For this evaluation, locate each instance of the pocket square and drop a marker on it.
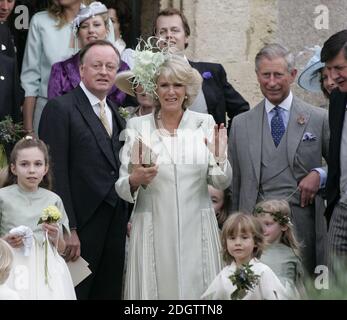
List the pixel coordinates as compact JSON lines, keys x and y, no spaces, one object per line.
{"x":308,"y":136}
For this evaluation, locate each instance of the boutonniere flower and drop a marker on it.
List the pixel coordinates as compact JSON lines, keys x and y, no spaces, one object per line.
{"x":244,"y":279}
{"x":207,"y":75}
{"x":301,"y":120}
{"x":124,"y":113}
{"x":49,"y":215}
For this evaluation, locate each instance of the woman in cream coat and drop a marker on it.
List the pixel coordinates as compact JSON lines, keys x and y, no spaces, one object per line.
{"x":174,"y":250}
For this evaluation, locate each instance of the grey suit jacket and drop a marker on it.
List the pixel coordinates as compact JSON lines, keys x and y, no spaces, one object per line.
{"x":245,"y":148}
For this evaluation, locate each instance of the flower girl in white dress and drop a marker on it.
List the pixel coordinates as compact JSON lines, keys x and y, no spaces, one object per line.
{"x":31,"y":221}
{"x":282,"y":254}
{"x":245,"y":278}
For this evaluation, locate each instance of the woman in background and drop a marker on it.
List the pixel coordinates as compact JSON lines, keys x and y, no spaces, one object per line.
{"x":90,"y":24}
{"x":315,"y":77}
{"x":50,"y":39}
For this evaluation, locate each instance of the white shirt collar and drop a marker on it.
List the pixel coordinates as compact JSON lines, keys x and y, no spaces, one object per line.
{"x":91,"y":97}
{"x":285,"y":104}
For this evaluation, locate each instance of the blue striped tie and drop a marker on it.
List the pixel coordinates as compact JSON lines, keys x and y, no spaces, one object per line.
{"x":277,"y":126}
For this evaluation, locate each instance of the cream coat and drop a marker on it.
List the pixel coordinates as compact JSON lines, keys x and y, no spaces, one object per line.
{"x":174,"y":250}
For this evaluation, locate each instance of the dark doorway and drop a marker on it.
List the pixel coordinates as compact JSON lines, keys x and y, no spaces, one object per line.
{"x":136,"y":18}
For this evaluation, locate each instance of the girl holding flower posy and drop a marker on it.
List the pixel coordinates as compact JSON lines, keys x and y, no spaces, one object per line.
{"x":31,"y":221}
{"x":245,"y":278}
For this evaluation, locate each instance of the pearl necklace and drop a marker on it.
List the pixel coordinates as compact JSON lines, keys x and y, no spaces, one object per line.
{"x":162,"y":126}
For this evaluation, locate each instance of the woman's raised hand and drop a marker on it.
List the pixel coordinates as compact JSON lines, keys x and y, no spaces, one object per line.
{"x":219,"y":143}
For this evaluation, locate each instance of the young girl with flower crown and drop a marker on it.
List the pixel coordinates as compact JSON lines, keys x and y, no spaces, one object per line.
{"x":31,"y":221}
{"x":245,"y":277}
{"x":282,"y":254}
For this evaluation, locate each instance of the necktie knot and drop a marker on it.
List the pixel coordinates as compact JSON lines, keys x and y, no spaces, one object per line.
{"x":277,"y":126}
{"x":277,"y":110}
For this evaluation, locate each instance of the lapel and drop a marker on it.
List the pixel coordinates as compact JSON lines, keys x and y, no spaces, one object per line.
{"x":337,"y":114}
{"x":254,"y":130}
{"x":119,"y":120}
{"x":95,"y":126}
{"x":296,"y":128}
{"x":119,"y":125}
{"x":208,"y":94}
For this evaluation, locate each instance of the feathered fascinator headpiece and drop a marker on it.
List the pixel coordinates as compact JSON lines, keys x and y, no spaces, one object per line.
{"x":148,"y":57}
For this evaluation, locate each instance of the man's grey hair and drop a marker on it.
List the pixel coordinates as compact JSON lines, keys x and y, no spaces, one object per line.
{"x":273,"y":51}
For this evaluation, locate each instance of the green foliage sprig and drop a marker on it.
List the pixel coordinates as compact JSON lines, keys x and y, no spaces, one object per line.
{"x":282,"y":220}
{"x":244,"y":279}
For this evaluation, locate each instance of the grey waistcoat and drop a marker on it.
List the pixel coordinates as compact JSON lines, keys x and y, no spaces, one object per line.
{"x":276,"y":178}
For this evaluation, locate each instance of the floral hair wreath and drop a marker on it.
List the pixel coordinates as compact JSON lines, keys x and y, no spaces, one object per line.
{"x":277,"y":216}
{"x":148,"y":57}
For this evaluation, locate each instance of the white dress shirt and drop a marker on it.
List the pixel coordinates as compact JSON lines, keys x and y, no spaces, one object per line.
{"x":285,"y":109}
{"x":94,"y":101}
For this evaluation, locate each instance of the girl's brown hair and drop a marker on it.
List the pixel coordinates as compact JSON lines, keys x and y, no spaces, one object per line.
{"x":243,"y":223}
{"x":223,"y":214}
{"x":282,"y":208}
{"x":25,"y":143}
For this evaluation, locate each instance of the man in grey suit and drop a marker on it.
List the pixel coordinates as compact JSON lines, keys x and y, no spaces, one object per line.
{"x":276,"y":152}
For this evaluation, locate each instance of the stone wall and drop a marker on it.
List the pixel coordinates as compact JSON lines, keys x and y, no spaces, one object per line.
{"x":231,"y":32}
{"x":305,"y":25}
